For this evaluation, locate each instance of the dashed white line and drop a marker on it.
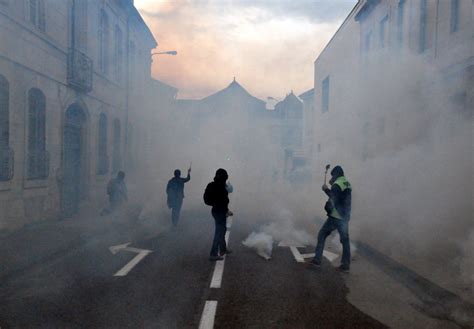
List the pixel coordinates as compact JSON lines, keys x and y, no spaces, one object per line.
{"x":208,"y":315}
{"x":216,"y":281}
{"x":209,"y":312}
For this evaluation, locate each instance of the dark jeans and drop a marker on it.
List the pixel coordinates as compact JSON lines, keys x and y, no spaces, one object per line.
{"x":218,"y":244}
{"x":342,"y":226}
{"x":175,"y":211}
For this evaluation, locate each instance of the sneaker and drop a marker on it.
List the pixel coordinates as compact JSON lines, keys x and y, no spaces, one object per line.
{"x":314,"y":264}
{"x":227,"y":252}
{"x":343,"y":269}
{"x":215,"y":258}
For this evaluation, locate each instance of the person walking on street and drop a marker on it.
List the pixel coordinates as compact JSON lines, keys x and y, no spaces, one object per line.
{"x":118,"y":194}
{"x":175,"y":193}
{"x":338,"y":209}
{"x":217,"y":196}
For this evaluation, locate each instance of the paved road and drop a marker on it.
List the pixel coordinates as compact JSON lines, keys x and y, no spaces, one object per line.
{"x":170,"y":286}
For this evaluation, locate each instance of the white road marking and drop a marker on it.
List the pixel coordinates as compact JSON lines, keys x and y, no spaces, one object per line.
{"x":208,"y":315}
{"x":297,"y":254}
{"x":142,"y":253}
{"x":209,"y":312}
{"x":216,"y":281}
{"x":300,"y":257}
{"x":131,"y":264}
{"x":330,"y":255}
{"x":311,"y":255}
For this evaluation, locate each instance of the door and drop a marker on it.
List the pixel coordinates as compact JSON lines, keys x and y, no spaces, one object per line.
{"x":73,"y":160}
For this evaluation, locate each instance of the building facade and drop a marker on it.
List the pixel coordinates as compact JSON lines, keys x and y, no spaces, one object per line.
{"x":68,"y":73}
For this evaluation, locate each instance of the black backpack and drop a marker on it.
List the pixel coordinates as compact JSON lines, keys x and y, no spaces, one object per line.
{"x":209,"y":194}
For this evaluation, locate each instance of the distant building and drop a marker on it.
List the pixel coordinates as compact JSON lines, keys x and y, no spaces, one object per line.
{"x":231,"y":112}
{"x":289,"y":115}
{"x":71,"y":74}
{"x":308,"y":114}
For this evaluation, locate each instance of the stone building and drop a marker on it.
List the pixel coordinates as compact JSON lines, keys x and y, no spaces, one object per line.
{"x":393,"y":100}
{"x":418,"y":36}
{"x":69,"y":75}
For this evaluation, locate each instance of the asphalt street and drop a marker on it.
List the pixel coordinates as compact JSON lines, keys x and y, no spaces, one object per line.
{"x":169,"y":287}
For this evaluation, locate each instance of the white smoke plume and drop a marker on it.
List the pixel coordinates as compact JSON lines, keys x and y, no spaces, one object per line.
{"x":261,"y":242}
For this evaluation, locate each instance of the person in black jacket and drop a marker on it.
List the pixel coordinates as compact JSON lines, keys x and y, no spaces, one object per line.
{"x":217,"y":195}
{"x":175,"y":193}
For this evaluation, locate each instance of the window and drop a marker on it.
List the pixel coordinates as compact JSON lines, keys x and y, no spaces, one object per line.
{"x":454,"y":15}
{"x":118,"y":56}
{"x":6,"y":154}
{"x":400,"y":21}
{"x":103,"y":164}
{"x":383,"y":32}
{"x":423,"y":26}
{"x":79,"y":24}
{"x":325,"y":95}
{"x":37,"y":14}
{"x":117,"y":154}
{"x":104,"y":42}
{"x":4,"y":113}
{"x":37,"y":167}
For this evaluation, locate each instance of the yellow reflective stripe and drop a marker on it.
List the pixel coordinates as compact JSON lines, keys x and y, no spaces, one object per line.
{"x":343,"y":184}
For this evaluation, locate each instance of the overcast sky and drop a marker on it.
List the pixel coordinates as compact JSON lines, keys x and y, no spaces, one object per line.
{"x":268,"y":45}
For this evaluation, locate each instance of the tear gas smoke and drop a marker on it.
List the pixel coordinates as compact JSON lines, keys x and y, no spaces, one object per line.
{"x":261,"y":242}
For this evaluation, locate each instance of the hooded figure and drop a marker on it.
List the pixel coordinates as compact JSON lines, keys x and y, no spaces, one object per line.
{"x":338,"y":209}
{"x":175,"y":194}
{"x":217,"y":195}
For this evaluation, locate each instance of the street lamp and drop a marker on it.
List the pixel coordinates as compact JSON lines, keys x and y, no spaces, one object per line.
{"x":170,"y":52}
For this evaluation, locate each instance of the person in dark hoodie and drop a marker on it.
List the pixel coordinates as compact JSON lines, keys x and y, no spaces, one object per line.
{"x":217,"y":196}
{"x":175,"y":194}
{"x":338,"y":209}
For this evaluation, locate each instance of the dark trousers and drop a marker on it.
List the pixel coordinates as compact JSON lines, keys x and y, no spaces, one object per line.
{"x":218,"y":244}
{"x":175,"y":211}
{"x":342,"y":226}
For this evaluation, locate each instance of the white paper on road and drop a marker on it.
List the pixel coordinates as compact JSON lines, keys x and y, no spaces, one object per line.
{"x":208,"y":315}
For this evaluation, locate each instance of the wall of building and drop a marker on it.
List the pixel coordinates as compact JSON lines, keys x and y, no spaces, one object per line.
{"x":34,"y":56}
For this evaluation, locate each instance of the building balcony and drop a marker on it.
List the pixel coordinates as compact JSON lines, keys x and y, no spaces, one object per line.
{"x":79,"y":71}
{"x":6,"y":163}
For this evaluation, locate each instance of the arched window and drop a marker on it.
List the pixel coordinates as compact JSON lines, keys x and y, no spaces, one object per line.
{"x":103,"y":166}
{"x":104,"y":42}
{"x":6,"y":154}
{"x":37,"y":14}
{"x":118,"y":56}
{"x":38,"y":160}
{"x":117,"y":160}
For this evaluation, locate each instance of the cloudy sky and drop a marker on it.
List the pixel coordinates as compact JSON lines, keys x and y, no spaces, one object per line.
{"x":268,"y":45}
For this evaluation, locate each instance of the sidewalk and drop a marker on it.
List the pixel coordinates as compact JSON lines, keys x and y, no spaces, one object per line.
{"x":39,"y":242}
